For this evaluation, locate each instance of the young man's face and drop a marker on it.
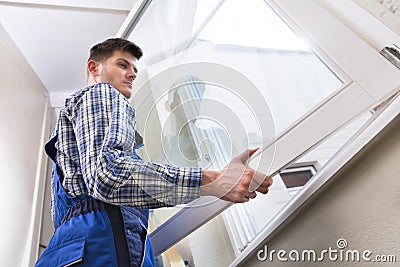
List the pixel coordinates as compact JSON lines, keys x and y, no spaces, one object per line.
{"x":119,"y":70}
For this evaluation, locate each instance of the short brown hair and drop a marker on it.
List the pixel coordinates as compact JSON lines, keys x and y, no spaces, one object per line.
{"x":105,"y":49}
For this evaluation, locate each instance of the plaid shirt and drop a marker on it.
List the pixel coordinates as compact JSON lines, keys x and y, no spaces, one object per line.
{"x":96,"y":137}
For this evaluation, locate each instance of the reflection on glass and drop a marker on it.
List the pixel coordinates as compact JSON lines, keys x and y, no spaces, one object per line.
{"x":204,"y":10}
{"x":193,"y":118}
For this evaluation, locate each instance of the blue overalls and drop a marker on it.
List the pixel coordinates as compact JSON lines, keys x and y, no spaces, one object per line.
{"x":92,"y":233}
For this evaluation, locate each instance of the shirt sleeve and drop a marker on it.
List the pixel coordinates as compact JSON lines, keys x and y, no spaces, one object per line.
{"x":104,"y":125}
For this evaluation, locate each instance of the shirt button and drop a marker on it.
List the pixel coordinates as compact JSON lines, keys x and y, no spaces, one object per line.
{"x":129,"y":232}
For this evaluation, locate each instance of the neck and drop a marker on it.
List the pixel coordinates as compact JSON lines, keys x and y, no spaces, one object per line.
{"x":91,"y":80}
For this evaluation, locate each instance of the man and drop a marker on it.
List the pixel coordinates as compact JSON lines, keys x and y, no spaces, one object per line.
{"x":101,"y":188}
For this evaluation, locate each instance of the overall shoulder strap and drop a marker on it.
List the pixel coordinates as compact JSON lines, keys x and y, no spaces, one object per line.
{"x":50,"y":148}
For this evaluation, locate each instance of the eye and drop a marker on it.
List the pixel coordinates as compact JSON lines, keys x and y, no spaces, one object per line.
{"x":122,"y":65}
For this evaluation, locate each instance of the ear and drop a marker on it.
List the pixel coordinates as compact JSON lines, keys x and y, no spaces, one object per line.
{"x":93,"y":68}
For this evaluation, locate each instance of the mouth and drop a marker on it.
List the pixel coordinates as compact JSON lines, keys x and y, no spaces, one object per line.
{"x":130,"y":84}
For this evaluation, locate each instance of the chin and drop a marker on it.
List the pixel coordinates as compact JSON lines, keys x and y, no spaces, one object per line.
{"x":127,"y":94}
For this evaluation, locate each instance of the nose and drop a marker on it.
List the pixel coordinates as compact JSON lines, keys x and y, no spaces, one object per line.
{"x":132,"y":74}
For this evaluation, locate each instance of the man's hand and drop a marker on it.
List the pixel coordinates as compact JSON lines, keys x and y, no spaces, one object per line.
{"x":236,"y":182}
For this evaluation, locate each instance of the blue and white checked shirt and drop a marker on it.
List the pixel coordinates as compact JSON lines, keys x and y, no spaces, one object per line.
{"x":96,"y":136}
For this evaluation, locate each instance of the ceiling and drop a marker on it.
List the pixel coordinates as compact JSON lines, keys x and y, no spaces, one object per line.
{"x":55,"y":36}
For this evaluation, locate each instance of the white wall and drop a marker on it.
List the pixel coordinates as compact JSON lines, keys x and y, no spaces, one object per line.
{"x":23,"y":105}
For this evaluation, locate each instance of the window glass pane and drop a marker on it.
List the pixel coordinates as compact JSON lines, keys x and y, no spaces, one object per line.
{"x":252,"y":24}
{"x":163,"y":28}
{"x":252,"y":39}
{"x":204,"y":9}
{"x":202,"y":99}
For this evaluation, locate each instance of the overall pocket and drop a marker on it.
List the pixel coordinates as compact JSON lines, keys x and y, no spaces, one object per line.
{"x":65,"y":254}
